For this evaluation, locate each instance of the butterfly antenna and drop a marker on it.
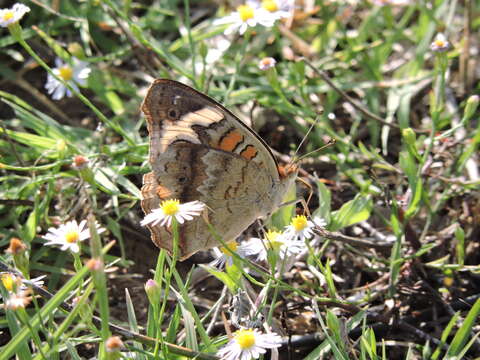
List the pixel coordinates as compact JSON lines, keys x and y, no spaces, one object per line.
{"x":304,"y":138}
{"x":331,"y":142}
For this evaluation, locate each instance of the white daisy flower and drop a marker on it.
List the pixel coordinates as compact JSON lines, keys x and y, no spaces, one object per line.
{"x":249,"y":344}
{"x":277,"y":9}
{"x":247,"y":15}
{"x":17,"y":297}
{"x":71,"y":74}
{"x":284,"y":246}
{"x":266,"y":63}
{"x":18,"y":300}
{"x":170,"y":209}
{"x":225,"y":254}
{"x":69,"y":235}
{"x":13,"y":15}
{"x":299,"y":229}
{"x":440,"y":43}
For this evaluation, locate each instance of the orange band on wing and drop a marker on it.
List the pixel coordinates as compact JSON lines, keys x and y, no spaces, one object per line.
{"x":230,"y":141}
{"x":163,"y":192}
{"x":249,"y":152}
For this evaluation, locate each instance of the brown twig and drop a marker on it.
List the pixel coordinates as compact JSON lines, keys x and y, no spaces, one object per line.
{"x":348,"y":98}
{"x":16,"y":202}
{"x":358,"y":242}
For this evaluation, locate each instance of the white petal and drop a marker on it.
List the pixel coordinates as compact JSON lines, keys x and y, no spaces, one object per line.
{"x":243,"y":28}
{"x":154,"y":217}
{"x":82,"y":225}
{"x":179,"y":219}
{"x":75,"y":248}
{"x":59,"y":92}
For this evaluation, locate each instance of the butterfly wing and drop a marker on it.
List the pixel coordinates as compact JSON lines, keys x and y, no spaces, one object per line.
{"x":175,"y":111}
{"x":201,"y":151}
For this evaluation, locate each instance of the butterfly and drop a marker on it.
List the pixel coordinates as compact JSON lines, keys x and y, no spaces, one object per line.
{"x":200,"y":151}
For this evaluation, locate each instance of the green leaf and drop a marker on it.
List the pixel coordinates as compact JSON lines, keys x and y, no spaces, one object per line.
{"x":460,"y":247}
{"x":97,"y":82}
{"x":40,"y":142}
{"x":414,"y":204}
{"x":445,"y":334}
{"x":461,"y":337}
{"x":105,"y":183}
{"x":352,"y":212}
{"x":283,"y":215}
{"x":324,"y":202}
{"x":225,"y":278}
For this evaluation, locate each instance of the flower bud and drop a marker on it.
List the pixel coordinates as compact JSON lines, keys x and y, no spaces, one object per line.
{"x":80,"y":161}
{"x":409,"y":136}
{"x":95,"y":265}
{"x":152,"y":288}
{"x":76,"y":50}
{"x":16,"y":246}
{"x":113,"y":343}
{"x":471,"y":107}
{"x":267,"y":63}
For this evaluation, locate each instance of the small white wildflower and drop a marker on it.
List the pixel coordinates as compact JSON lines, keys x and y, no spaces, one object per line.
{"x":69,"y":235}
{"x":277,"y":9}
{"x":170,"y":209}
{"x":18,"y":297}
{"x":249,"y":344}
{"x":247,"y":15}
{"x":284,"y":246}
{"x":266,"y":63}
{"x":440,"y":43}
{"x":17,"y":300}
{"x":224,"y":254}
{"x":299,"y":229}
{"x":74,"y":75}
{"x":12,"y":15}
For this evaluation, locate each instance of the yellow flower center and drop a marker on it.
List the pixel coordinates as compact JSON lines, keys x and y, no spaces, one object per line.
{"x":245,"y":338}
{"x":170,"y":207}
{"x":8,"y":282}
{"x":270,"y":5}
{"x":72,"y":236}
{"x":230,"y":248}
{"x":66,"y":72}
{"x":8,"y":15}
{"x":439,"y":43}
{"x":245,"y":12}
{"x":299,"y":222}
{"x":272,"y":242}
